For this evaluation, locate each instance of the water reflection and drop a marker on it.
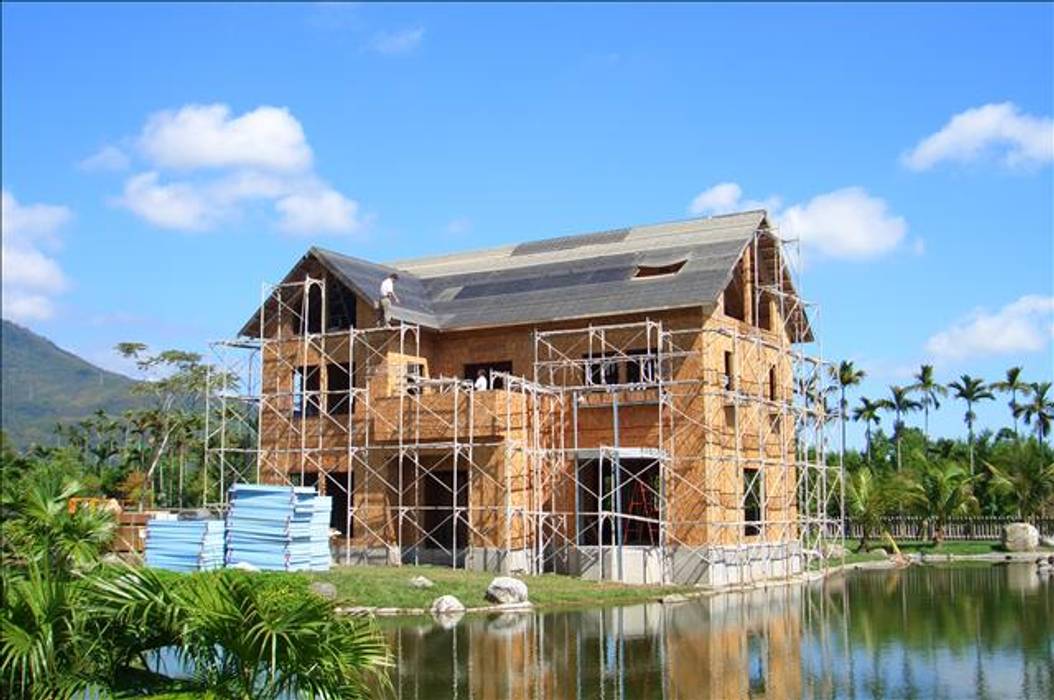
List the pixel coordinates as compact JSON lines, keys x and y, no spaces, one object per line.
{"x":977,"y":632}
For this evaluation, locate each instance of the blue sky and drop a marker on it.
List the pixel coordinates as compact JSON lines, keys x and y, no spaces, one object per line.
{"x":161,"y":161}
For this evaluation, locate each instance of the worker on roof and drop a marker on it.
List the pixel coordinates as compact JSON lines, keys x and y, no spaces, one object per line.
{"x":388,"y":295}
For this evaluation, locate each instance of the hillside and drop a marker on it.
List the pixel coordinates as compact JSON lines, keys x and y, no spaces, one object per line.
{"x":44,"y":384}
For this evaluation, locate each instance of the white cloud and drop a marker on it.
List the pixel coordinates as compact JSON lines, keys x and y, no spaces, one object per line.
{"x":29,"y":268}
{"x":1024,"y":325}
{"x":210,"y":168}
{"x":206,"y":136}
{"x":402,"y":41}
{"x":321,"y":211}
{"x":992,"y":130}
{"x":727,"y":197}
{"x":31,"y":278}
{"x":28,"y":221}
{"x":847,"y":223}
{"x":720,"y":199}
{"x":177,"y":205}
{"x":107,"y":158}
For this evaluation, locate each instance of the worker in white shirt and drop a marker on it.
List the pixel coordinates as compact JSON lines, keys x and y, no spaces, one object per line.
{"x":388,"y":295}
{"x":481,"y":380}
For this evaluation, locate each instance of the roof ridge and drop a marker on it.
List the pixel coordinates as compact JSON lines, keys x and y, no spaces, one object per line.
{"x":508,"y":247}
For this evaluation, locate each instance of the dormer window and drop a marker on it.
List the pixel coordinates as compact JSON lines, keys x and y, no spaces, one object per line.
{"x":645,"y":271}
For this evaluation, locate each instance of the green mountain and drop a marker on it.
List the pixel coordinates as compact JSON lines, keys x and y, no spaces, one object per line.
{"x":44,"y":384}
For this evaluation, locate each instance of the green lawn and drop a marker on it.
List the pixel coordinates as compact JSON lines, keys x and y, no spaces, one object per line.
{"x":927,"y":547}
{"x":388,"y":587}
{"x":960,"y":548}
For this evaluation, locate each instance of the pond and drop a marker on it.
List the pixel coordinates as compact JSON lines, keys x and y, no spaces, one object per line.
{"x":962,"y":631}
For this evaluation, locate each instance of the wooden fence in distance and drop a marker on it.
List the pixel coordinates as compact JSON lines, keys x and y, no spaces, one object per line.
{"x":915,"y":527}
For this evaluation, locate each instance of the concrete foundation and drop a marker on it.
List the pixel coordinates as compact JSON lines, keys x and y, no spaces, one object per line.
{"x":715,"y":566}
{"x":698,"y":566}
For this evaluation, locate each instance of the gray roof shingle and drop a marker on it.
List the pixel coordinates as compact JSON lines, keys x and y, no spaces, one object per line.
{"x":562,"y":278}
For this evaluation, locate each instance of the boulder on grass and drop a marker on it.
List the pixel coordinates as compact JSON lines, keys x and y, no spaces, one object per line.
{"x":834,"y":550}
{"x":505,"y":590}
{"x":421,"y":582}
{"x":323,"y":589}
{"x":1020,"y":537}
{"x":447,"y":605}
{"x":1047,"y":542}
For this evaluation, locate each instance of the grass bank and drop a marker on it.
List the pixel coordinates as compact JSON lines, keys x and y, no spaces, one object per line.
{"x":928,"y":548}
{"x":388,"y":587}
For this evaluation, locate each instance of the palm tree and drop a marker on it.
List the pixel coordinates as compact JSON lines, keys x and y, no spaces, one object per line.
{"x":43,"y":530}
{"x":243,"y":640}
{"x":901,"y":403}
{"x":845,"y":375}
{"x":1013,"y":384}
{"x":870,"y":412}
{"x":868,"y":501}
{"x":930,"y":390}
{"x":1039,"y":409}
{"x":1025,"y":476}
{"x":941,"y":491}
{"x":971,"y":390}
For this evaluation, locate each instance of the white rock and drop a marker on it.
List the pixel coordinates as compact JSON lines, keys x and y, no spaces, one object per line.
{"x":420,"y":582}
{"x":447,"y":605}
{"x":1020,"y":537}
{"x":1046,"y":542}
{"x":243,"y":566}
{"x":834,"y":551}
{"x":505,"y":589}
{"x":323,"y":589}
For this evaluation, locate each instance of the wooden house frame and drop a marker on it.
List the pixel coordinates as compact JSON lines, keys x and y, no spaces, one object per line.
{"x":651,"y":415}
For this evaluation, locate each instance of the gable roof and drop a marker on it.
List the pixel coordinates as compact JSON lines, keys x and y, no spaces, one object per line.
{"x":564,"y":278}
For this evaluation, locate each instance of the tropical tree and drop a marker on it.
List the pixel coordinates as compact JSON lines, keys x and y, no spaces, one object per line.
{"x":930,"y":391}
{"x":43,"y":530}
{"x":845,"y":374}
{"x":971,"y":390}
{"x":942,"y":490}
{"x":1013,"y":385}
{"x":900,"y":403}
{"x":71,"y":627}
{"x":174,"y":392}
{"x":244,"y":640}
{"x":869,"y":498}
{"x":871,"y":413}
{"x":1024,"y":475}
{"x":1039,"y":411}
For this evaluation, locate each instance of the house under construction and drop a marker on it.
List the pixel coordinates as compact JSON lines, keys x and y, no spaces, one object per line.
{"x":650,"y":411}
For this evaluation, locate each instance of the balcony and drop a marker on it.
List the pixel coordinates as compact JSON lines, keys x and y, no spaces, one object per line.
{"x":442,"y":416}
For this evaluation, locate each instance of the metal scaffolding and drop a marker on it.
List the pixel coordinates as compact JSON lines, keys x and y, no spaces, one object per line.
{"x":662,"y":446}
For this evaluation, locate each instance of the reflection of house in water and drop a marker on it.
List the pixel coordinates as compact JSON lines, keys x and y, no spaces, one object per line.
{"x":730,"y":646}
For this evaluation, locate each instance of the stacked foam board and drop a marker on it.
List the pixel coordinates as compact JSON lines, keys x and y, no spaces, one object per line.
{"x":277,"y":528}
{"x":320,"y":556}
{"x":184,"y":545}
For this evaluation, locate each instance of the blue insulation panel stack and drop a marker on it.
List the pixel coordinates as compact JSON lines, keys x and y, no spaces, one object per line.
{"x":276,"y":528}
{"x":320,"y":557}
{"x":185,"y":545}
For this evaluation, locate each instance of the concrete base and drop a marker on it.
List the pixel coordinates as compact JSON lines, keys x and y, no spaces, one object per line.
{"x":472,"y":558}
{"x":696,"y":566}
{"x":516,"y":561}
{"x":364,"y":556}
{"x":703,"y":566}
